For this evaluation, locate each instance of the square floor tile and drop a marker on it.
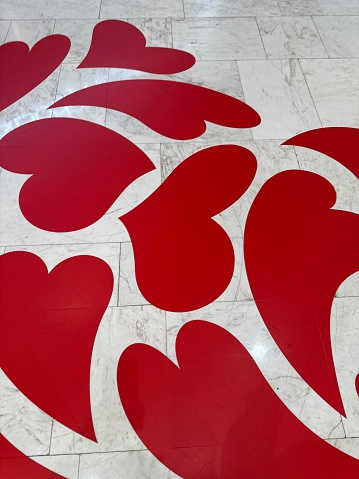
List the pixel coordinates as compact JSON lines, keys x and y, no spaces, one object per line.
{"x":291,"y":37}
{"x":300,"y":7}
{"x":19,"y":9}
{"x":219,"y":39}
{"x":277,"y":90}
{"x":334,"y":86}
{"x":340,"y":35}
{"x":142,"y":9}
{"x":230,"y":8}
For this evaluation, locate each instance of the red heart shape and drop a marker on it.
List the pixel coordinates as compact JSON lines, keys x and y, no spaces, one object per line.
{"x":48,"y":326}
{"x":15,"y":465}
{"x":118,"y":44}
{"x":78,"y":170}
{"x":184,"y":259}
{"x":23,"y":69}
{"x":173,"y":109}
{"x":297,"y":252}
{"x":215,"y":416}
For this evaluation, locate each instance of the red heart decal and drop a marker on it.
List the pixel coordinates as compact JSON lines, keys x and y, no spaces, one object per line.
{"x":118,"y":44}
{"x":48,"y":326}
{"x":173,"y":109}
{"x":184,"y":259}
{"x":357,"y":384}
{"x":340,"y":143}
{"x":297,"y":252}
{"x":23,"y":69}
{"x":15,"y":465}
{"x":215,"y":416}
{"x":78,"y":170}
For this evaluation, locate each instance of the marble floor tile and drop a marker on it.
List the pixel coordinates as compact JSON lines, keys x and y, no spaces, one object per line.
{"x":66,"y":466}
{"x":21,"y":422}
{"x":340,"y":35}
{"x":18,"y":9}
{"x":334,"y":86}
{"x":339,"y":7}
{"x":348,"y":445}
{"x":230,"y":8}
{"x":300,"y":7}
{"x":29,"y":31}
{"x":15,"y":230}
{"x":158,"y":31}
{"x":277,"y":90}
{"x":129,"y":294}
{"x":4,"y":28}
{"x":119,"y":328}
{"x":271,"y":158}
{"x":80,"y":34}
{"x":54,"y":254}
{"x":219,"y":39}
{"x":122,"y":465}
{"x":142,"y":9}
{"x":243,"y":320}
{"x":344,"y":335}
{"x":290,"y":37}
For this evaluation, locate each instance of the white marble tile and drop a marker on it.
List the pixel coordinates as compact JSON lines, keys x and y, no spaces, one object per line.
{"x":2,"y":249}
{"x":142,"y":9}
{"x":4,"y":28}
{"x":339,"y":7}
{"x":271,"y":158}
{"x":122,"y":465}
{"x":15,"y":230}
{"x":290,"y":37}
{"x":66,"y":466}
{"x":80,"y":34}
{"x":158,"y":31}
{"x":277,"y":90}
{"x":300,"y":7}
{"x":243,"y":320}
{"x":19,"y":9}
{"x":345,"y":344}
{"x":71,"y":79}
{"x":31,"y":107}
{"x":129,"y":294}
{"x":221,"y":76}
{"x":340,"y":35}
{"x":219,"y":39}
{"x":21,"y":422}
{"x":334,"y":86}
{"x":230,"y":8}
{"x":120,"y":327}
{"x":52,"y":255}
{"x":29,"y":31}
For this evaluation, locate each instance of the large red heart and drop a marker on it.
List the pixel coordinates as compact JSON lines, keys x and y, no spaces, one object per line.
{"x":21,"y":69}
{"x":216,"y":417}
{"x":173,"y":109}
{"x":118,"y":44}
{"x":184,"y":259}
{"x":78,"y":170}
{"x":15,"y":465}
{"x":297,"y":252}
{"x":48,"y":326}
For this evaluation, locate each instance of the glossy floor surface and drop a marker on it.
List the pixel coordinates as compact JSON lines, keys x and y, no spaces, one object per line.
{"x":296,"y":63}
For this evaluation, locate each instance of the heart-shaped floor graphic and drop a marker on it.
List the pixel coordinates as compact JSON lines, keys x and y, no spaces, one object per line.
{"x":118,"y":44}
{"x":48,"y":326}
{"x":173,"y":109}
{"x":21,"y":69}
{"x":15,"y":465}
{"x":216,"y":417}
{"x":297,"y":252}
{"x":183,"y":258}
{"x":78,"y":170}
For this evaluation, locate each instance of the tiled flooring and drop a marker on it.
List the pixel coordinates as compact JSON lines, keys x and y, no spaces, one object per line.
{"x":297,"y":64}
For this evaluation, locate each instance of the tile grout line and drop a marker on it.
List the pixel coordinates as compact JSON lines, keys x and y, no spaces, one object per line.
{"x":259,"y":32}
{"x":319,"y":35}
{"x":310,"y":92}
